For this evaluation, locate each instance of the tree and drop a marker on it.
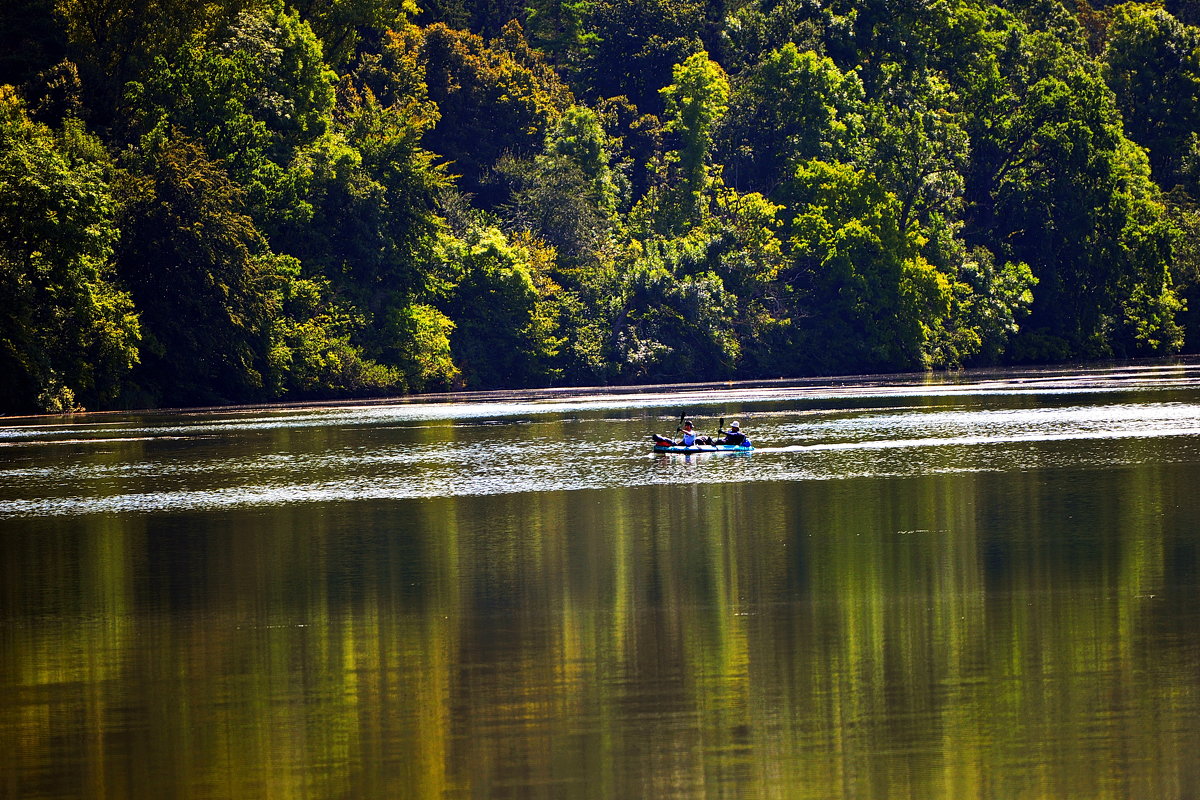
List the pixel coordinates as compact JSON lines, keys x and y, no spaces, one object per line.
{"x":552,"y":199}
{"x":690,"y":242}
{"x":189,"y":254}
{"x":1152,"y":64}
{"x":114,"y":41}
{"x":916,"y":146}
{"x":685,"y":175}
{"x":792,"y":107}
{"x":504,"y":332}
{"x":313,"y":349}
{"x":556,"y":28}
{"x":341,"y":25}
{"x":257,"y":95}
{"x":566,"y":196}
{"x":1054,"y":183}
{"x":492,"y":99}
{"x":695,"y":102}
{"x":988,"y":300}
{"x":373,"y":189}
{"x":868,"y":299}
{"x":671,"y":328}
{"x":1184,"y":216}
{"x":635,"y":45}
{"x":756,"y":30}
{"x":373,"y":195}
{"x":68,"y":333}
{"x":579,"y":137}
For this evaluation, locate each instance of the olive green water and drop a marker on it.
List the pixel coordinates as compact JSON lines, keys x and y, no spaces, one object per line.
{"x":980,"y":586}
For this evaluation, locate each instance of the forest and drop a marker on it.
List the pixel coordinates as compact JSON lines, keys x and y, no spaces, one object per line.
{"x":257,"y":200}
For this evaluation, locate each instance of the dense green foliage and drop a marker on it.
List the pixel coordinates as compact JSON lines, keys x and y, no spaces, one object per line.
{"x":255,"y":200}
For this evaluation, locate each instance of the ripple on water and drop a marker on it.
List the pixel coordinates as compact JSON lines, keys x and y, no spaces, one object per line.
{"x":412,"y":451}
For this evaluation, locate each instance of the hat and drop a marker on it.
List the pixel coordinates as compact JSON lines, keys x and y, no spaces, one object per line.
{"x":687,"y":424}
{"x":733,"y":426}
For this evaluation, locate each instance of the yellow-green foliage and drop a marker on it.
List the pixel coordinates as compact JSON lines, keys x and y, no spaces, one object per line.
{"x":210,"y":202}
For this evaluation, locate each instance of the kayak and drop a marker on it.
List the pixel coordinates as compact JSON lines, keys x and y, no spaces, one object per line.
{"x":703,"y":448}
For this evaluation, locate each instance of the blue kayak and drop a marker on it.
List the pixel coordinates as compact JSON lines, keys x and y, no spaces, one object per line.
{"x":703,"y":448}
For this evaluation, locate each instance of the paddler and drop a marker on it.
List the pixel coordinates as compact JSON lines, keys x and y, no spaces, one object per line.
{"x":689,"y":434}
{"x":734,"y":435}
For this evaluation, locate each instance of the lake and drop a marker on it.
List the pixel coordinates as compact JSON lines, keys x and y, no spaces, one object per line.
{"x":981,"y":584}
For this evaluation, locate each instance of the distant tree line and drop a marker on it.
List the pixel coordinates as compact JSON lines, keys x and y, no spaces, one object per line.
{"x":251,"y":200}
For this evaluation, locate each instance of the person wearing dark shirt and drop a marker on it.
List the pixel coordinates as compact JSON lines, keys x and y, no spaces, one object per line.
{"x":734,"y":435}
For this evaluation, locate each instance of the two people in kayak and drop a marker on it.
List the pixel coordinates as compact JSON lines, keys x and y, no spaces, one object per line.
{"x":689,"y":438}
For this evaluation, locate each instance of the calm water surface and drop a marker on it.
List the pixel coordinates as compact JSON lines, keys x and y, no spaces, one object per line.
{"x":981,"y":585}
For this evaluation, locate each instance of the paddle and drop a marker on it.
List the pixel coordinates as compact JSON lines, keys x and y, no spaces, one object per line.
{"x":720,"y":430}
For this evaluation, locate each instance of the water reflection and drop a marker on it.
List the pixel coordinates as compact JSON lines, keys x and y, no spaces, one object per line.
{"x":994,"y":617}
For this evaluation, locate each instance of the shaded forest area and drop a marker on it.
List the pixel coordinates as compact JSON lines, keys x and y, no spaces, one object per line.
{"x":253,"y":200}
